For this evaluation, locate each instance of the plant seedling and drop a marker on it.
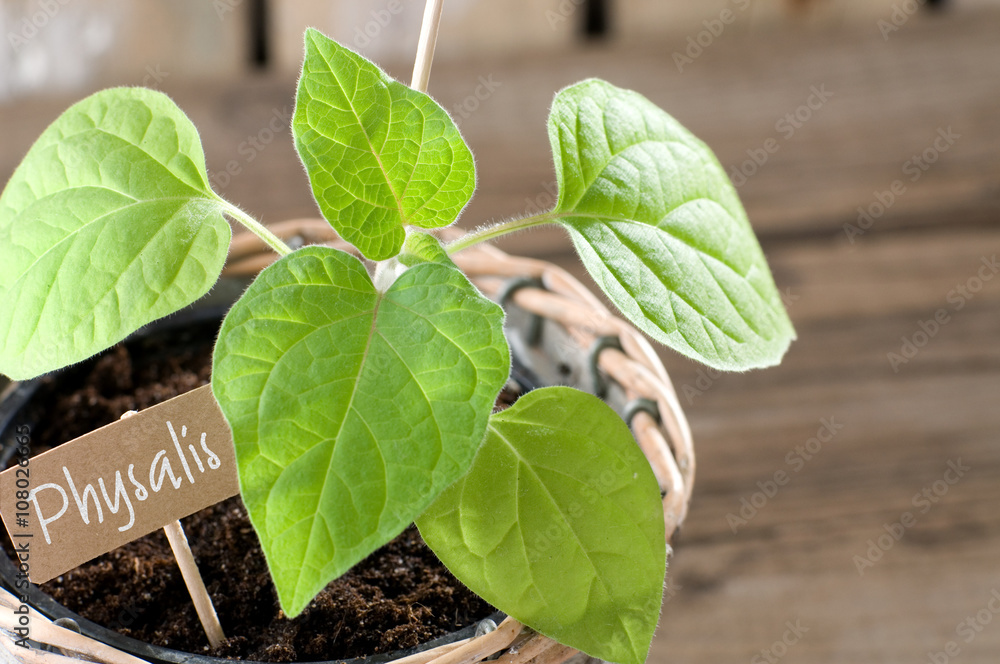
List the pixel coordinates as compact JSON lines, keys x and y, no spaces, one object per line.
{"x":359,"y":395}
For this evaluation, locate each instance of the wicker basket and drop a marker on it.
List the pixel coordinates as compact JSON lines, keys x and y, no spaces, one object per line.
{"x":555,"y":318}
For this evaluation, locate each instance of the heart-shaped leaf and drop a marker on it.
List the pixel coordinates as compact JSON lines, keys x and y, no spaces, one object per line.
{"x":559,"y":524}
{"x":379,"y":154}
{"x":351,"y":409}
{"x":108,"y":223}
{"x":661,"y":230}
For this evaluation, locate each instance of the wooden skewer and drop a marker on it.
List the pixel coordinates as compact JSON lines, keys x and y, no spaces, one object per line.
{"x":192,"y":578}
{"x":425,"y":47}
{"x":195,"y":585}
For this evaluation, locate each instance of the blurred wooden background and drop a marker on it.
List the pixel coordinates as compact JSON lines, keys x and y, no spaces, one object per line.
{"x":814,"y":117}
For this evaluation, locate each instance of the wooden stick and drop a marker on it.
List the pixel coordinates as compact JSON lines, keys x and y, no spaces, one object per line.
{"x":192,"y":577}
{"x":195,"y":585}
{"x":425,"y":47}
{"x":44,"y":631}
{"x":478,"y":649}
{"x":428,"y":656}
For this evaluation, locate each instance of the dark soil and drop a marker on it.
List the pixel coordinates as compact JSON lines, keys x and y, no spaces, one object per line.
{"x":399,"y":597}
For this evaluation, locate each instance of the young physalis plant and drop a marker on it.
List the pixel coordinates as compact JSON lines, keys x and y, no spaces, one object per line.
{"x":360,"y":403}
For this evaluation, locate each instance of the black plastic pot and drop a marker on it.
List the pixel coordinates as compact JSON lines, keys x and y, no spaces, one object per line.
{"x":200,"y":321}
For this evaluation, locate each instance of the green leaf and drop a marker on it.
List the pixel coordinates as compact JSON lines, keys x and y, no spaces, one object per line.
{"x":559,"y":524}
{"x":351,"y":410}
{"x":424,"y":248}
{"x":661,"y":230}
{"x":379,"y":154}
{"x":108,"y":223}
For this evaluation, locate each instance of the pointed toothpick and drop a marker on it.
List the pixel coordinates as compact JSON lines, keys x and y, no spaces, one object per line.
{"x":192,"y":578}
{"x":425,"y":48}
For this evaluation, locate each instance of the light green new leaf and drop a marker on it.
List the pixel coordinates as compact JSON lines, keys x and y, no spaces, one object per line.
{"x":108,"y":223}
{"x":379,"y":154}
{"x":661,"y":230}
{"x":559,"y":524}
{"x":424,"y":248}
{"x":350,"y":409}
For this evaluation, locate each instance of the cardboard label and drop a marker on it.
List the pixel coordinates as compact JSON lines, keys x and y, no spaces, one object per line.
{"x":118,"y":483}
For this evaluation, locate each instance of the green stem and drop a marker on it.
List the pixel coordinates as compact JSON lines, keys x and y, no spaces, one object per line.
{"x":499,"y":230}
{"x":256,"y":227}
